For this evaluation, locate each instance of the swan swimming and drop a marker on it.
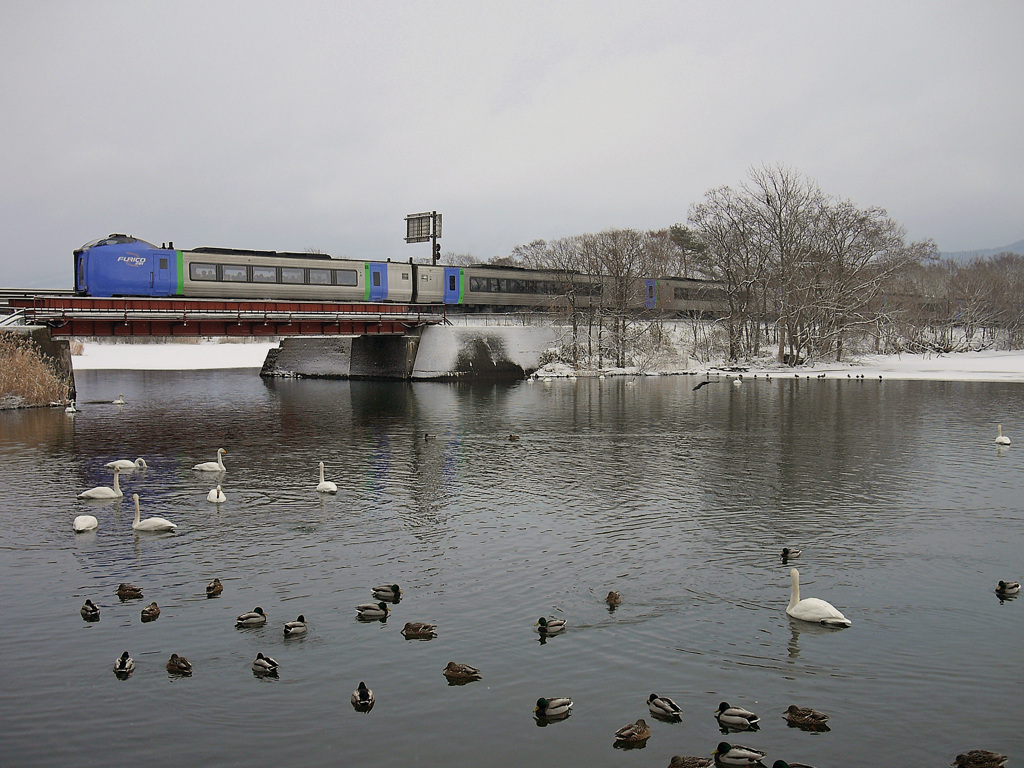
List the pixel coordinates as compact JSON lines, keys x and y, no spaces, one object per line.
{"x":213,"y":466}
{"x":127,"y":464}
{"x":150,"y":523}
{"x":85,"y":523}
{"x":811,"y":608}
{"x":326,"y":486}
{"x":71,"y":408}
{"x":1002,"y":439}
{"x":120,"y":400}
{"x":216,"y":496}
{"x":103,"y":491}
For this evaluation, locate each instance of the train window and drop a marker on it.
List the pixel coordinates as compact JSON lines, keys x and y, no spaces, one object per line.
{"x":319,"y":277}
{"x":293,"y":275}
{"x":163,"y":263}
{"x":197,"y":271}
{"x":376,"y":279}
{"x":475,"y":283}
{"x":234,"y":273}
{"x":345,"y":277}
{"x":492,"y":284}
{"x":405,"y":275}
{"x":452,"y":286}
{"x":650,"y":291}
{"x":264,"y":274}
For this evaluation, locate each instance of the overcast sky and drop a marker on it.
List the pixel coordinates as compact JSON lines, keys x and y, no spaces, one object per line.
{"x":298,"y":125}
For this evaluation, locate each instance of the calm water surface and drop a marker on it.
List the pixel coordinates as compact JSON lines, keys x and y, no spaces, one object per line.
{"x":679,"y":499}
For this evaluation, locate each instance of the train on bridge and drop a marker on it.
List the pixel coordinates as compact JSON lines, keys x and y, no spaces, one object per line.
{"x":124,"y":266}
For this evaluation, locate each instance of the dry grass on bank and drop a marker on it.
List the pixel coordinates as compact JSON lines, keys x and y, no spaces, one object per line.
{"x":26,"y":378}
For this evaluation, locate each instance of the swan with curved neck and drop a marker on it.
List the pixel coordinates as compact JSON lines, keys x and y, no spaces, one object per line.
{"x":325,"y":486}
{"x":213,"y":466}
{"x":127,"y":464}
{"x":811,"y":608}
{"x":104,"y":491}
{"x":150,"y":523}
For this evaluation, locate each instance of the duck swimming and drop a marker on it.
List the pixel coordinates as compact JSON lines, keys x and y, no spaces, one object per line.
{"x":1007,"y":588}
{"x":128,"y":591}
{"x":254,"y":618}
{"x":362,"y":698}
{"x":555,"y":706}
{"x":90,"y":611}
{"x":124,"y":665}
{"x":664,"y":707}
{"x":550,"y":626}
{"x":806,"y":718}
{"x":387,"y":592}
{"x":372,"y":611}
{"x":736,"y":754}
{"x":214,"y":588}
{"x":295,"y":628}
{"x":463,"y":673}
{"x":690,"y":761}
{"x":419,"y":630}
{"x":179,"y":665}
{"x":980,"y":758}
{"x":634,"y":733}
{"x":736,"y":718}
{"x":151,"y":612}
{"x":614,"y":598}
{"x":264,"y":665}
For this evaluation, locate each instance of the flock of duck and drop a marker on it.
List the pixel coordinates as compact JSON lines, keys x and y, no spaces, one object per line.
{"x":548,"y":709}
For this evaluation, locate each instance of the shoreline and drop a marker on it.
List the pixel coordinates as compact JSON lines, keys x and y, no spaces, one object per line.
{"x":989,"y":365}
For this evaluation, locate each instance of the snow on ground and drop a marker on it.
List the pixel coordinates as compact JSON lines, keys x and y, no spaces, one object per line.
{"x":976,"y":366}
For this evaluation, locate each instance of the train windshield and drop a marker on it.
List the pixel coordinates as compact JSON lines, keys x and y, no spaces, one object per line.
{"x":115,"y":240}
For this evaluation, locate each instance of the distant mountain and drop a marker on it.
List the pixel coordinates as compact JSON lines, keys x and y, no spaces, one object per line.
{"x":986,"y":253}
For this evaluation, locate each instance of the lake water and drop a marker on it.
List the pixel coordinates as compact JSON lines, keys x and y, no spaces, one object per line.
{"x":679,"y":499}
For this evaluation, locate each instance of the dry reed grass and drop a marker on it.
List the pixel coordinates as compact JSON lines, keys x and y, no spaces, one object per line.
{"x":27,"y":378}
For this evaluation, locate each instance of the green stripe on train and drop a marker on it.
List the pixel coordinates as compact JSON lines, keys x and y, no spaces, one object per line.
{"x":179,"y":275}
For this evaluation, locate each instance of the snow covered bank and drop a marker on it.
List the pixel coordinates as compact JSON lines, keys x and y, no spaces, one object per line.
{"x":967,"y":366}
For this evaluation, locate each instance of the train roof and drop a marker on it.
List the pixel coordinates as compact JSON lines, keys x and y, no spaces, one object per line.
{"x":246,"y":252}
{"x":114,"y":239}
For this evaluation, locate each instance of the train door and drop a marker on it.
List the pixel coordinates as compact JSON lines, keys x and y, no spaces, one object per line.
{"x":377,"y":282}
{"x":453,"y":285}
{"x":165,"y":262}
{"x":650,"y":293}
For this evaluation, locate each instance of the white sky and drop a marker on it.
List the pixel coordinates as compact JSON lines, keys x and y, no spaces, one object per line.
{"x":299,"y":125}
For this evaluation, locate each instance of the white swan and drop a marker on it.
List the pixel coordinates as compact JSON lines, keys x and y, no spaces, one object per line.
{"x":811,"y":608}
{"x":1002,"y":439}
{"x":127,"y":464}
{"x":120,"y":400}
{"x":85,"y":523}
{"x":71,"y":408}
{"x":150,"y":523}
{"x":216,"y":496}
{"x":213,"y":466}
{"x":103,"y":491}
{"x":326,"y":486}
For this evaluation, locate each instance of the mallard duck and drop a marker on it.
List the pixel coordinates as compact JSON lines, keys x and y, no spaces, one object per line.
{"x":124,"y":665}
{"x":1006,"y":588}
{"x":811,"y":608}
{"x":179,"y":665}
{"x":295,"y":628}
{"x":128,"y":591}
{"x":362,"y":698}
{"x":803,"y":717}
{"x":90,"y":611}
{"x":216,"y":496}
{"x":254,"y":618}
{"x":736,"y":718}
{"x":104,"y":491}
{"x":784,"y":764}
{"x":663,"y":706}
{"x":214,"y":588}
{"x":634,"y":733}
{"x":513,"y":437}
{"x":980,"y":758}
{"x":213,"y":466}
{"x":419,"y":630}
{"x":614,"y":598}
{"x":554,"y":706}
{"x":264,"y":665}
{"x":461,"y":672}
{"x":151,"y":612}
{"x":387,"y":592}
{"x":550,"y":626}
{"x":790,"y":554}
{"x":735,"y":754}
{"x":689,"y":761}
{"x":372,"y":611}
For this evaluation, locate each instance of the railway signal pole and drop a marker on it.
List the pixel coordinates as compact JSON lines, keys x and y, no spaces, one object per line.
{"x":423,"y":227}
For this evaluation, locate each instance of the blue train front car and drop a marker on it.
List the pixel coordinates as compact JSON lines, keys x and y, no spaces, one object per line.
{"x":121,"y":265}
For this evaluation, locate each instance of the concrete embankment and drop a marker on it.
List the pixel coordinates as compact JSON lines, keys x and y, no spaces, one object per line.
{"x":437,"y":352}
